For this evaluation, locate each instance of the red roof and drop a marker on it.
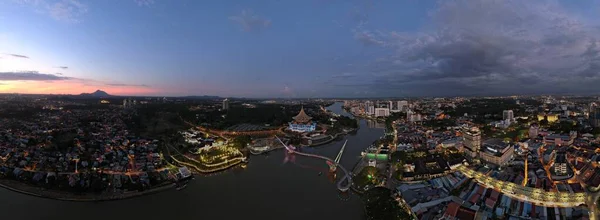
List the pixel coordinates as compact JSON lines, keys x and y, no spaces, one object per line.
{"x":465,"y":214}
{"x":452,"y":209}
{"x":480,"y":190}
{"x":490,"y":202}
{"x":495,"y":195}
{"x":474,"y":198}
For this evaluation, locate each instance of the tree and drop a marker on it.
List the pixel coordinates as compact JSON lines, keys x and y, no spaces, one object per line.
{"x":241,"y":141}
{"x":380,"y":205}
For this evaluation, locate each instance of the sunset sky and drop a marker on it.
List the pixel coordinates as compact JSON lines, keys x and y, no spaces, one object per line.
{"x":304,"y":48}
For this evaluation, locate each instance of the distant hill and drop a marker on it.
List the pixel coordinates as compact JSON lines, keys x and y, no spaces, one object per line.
{"x":97,"y":93}
{"x":201,"y":97}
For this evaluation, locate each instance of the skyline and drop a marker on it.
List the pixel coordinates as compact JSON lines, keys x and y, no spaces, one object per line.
{"x":317,"y":48}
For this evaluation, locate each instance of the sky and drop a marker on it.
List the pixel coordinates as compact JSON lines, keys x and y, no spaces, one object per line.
{"x":300,"y":48}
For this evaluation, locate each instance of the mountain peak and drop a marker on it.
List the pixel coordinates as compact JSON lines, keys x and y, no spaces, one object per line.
{"x":97,"y":93}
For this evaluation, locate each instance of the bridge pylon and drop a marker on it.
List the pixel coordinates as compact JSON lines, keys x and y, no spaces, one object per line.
{"x":333,"y":166}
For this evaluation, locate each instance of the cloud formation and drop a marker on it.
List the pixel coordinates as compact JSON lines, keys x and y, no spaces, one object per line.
{"x":30,"y":76}
{"x":249,"y":21}
{"x":70,"y":11}
{"x":144,"y":3}
{"x":63,"y":67}
{"x":17,"y":55}
{"x":126,"y":85}
{"x":67,"y":10}
{"x":489,"y":47}
{"x":344,"y":75}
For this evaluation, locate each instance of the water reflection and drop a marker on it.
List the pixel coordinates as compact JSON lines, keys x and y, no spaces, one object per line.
{"x":375,"y":124}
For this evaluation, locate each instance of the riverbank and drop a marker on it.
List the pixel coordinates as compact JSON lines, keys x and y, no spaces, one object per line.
{"x":228,"y":164}
{"x":332,"y":138}
{"x":22,"y":188}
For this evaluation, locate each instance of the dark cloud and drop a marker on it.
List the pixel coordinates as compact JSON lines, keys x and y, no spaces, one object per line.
{"x":249,"y":21}
{"x":30,"y":76}
{"x":18,"y":55}
{"x":488,"y":47}
{"x":126,"y":85}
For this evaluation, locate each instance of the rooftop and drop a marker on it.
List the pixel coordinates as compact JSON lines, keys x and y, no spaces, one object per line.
{"x":302,"y":117}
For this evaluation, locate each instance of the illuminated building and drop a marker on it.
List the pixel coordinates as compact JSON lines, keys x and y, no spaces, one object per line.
{"x":104,"y":101}
{"x":533,"y":131}
{"x":550,"y":117}
{"x":302,"y":123}
{"x":560,"y":139}
{"x":225,"y":104}
{"x":402,"y":105}
{"x":508,"y":115}
{"x":497,"y":152}
{"x":382,"y":112}
{"x":412,"y":116}
{"x":472,"y":141}
{"x":560,"y":164}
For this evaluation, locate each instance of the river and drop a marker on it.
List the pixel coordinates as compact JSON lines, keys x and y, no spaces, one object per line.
{"x":267,"y":189}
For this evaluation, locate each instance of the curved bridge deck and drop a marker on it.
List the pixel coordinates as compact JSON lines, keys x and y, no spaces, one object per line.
{"x":347,"y":175}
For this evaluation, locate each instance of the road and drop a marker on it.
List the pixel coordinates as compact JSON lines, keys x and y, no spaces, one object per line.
{"x":533,"y":195}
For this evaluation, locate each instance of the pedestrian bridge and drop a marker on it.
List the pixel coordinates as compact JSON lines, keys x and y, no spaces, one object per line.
{"x":347,"y":178}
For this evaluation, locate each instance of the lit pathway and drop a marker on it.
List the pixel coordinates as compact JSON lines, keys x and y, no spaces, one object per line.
{"x":533,"y":195}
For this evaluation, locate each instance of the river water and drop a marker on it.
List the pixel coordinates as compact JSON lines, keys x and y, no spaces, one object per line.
{"x":267,"y":189}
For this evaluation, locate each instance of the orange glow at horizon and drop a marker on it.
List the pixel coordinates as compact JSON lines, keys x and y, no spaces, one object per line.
{"x":69,"y":87}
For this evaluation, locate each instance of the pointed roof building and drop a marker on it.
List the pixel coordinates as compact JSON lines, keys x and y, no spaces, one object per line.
{"x":302,"y":117}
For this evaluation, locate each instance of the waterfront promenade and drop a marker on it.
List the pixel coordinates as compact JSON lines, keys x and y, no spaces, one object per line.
{"x":19,"y":187}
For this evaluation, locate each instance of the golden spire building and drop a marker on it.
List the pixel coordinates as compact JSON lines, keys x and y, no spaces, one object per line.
{"x":302,"y":123}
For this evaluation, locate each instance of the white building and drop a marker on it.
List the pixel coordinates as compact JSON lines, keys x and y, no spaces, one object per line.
{"x":370,"y":110}
{"x":497,"y":152}
{"x":225,"y":104}
{"x":402,"y":105}
{"x":372,"y":163}
{"x":508,"y":115}
{"x":382,"y":112}
{"x":413,"y":117}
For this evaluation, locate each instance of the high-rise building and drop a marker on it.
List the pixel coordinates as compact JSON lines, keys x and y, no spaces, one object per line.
{"x":370,"y":110}
{"x":225,"y":104}
{"x":391,"y":105}
{"x":472,"y":141}
{"x":382,"y":112}
{"x":595,"y":116}
{"x":560,"y":163}
{"x":413,"y":116}
{"x":534,"y":131}
{"x":508,"y":115}
{"x":402,"y":105}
